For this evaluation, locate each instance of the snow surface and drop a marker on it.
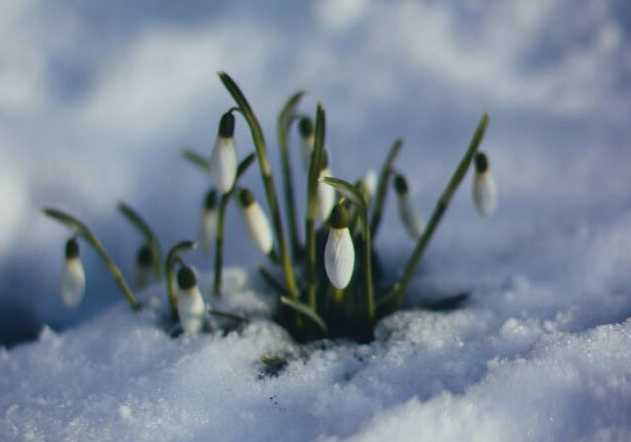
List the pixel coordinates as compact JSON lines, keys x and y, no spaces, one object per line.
{"x":96,"y":100}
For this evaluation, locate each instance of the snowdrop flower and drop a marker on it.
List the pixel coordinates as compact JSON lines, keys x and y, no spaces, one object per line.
{"x":325,"y":196}
{"x":484,"y":190}
{"x":308,"y":138}
{"x":256,"y":222}
{"x":73,"y":276}
{"x":368,"y":185}
{"x":144,"y":273}
{"x":190,"y":303}
{"x":223,"y":160}
{"x":339,"y":252}
{"x":407,"y":212}
{"x":208,"y":225}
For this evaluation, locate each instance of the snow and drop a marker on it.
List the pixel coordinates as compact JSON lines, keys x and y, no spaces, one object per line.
{"x":97,"y":99}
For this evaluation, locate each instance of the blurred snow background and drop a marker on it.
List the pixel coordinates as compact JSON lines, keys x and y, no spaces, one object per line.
{"x":98,"y":98}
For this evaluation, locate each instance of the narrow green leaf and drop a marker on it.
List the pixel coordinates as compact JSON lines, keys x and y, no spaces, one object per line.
{"x":150,"y":238}
{"x":266,"y":174}
{"x":286,"y":117}
{"x":382,"y":187}
{"x":304,"y":310}
{"x":245,"y":164}
{"x":196,"y":159}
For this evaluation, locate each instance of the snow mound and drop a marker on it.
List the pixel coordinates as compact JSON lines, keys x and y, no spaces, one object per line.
{"x":479,"y":373}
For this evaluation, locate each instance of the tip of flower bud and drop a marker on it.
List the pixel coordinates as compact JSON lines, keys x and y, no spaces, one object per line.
{"x":210,"y":202}
{"x":306,"y":127}
{"x":246,"y":199}
{"x":400,"y":184}
{"x":144,"y":258}
{"x":226,"y":125}
{"x":339,"y":218}
{"x":186,"y":278}
{"x":72,"y":248}
{"x":481,"y":162}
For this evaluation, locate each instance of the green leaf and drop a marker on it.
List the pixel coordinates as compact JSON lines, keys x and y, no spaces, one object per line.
{"x":245,"y":164}
{"x":382,"y":186}
{"x":304,"y":310}
{"x":312,"y":190}
{"x":196,"y":159}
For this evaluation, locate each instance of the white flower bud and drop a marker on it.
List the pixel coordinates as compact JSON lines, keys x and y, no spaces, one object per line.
{"x":369,"y":184}
{"x":144,"y":273}
{"x":412,"y":221}
{"x":325,"y":197}
{"x":339,"y":252}
{"x":73,"y":276}
{"x":208,"y":223}
{"x":190,"y":303}
{"x":256,"y":222}
{"x":223,"y":160}
{"x":484,"y":189}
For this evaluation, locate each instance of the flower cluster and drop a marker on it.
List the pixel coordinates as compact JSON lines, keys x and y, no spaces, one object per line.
{"x":326,"y":280}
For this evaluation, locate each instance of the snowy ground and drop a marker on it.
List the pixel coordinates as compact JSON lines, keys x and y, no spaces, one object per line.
{"x":97,"y":98}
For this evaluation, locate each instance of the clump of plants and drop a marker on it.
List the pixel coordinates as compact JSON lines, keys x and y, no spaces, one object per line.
{"x":329,"y":282}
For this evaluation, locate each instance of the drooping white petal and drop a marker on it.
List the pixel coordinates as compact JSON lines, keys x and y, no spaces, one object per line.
{"x":223,"y":164}
{"x":339,"y":257}
{"x":370,"y":182}
{"x":484,"y":193}
{"x":258,"y":227}
{"x":325,"y":197}
{"x":72,"y":282}
{"x":191,"y":310}
{"x":410,"y":218}
{"x":208,"y":229}
{"x":307,"y":148}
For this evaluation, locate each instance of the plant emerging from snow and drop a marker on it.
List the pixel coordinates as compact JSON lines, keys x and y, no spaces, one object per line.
{"x":341,"y":285}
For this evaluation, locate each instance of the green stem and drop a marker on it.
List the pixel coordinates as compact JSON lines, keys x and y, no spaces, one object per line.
{"x":196,"y":159}
{"x":172,"y":257}
{"x":83,"y":231}
{"x":382,"y":187}
{"x":283,"y":125}
{"x":397,"y":291}
{"x":150,"y":238}
{"x":268,"y":180}
{"x":221,"y":217}
{"x":312,"y":190}
{"x":221,"y":222}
